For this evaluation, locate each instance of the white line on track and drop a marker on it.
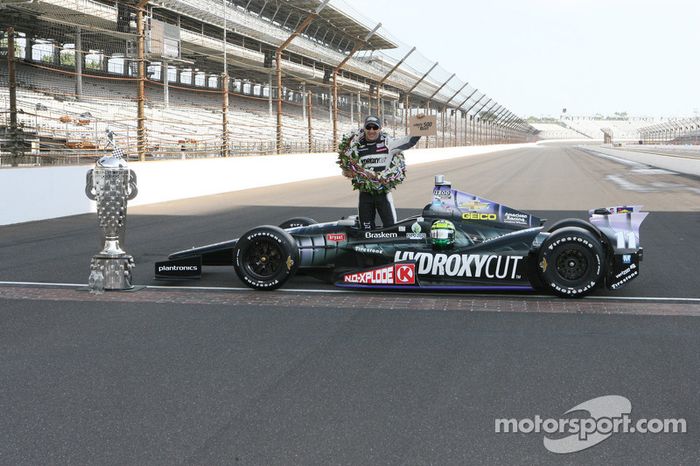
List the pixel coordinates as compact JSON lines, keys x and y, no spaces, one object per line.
{"x":621,"y":160}
{"x":304,"y":290}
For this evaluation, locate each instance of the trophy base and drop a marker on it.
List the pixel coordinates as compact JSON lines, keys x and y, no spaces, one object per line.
{"x":111,"y":273}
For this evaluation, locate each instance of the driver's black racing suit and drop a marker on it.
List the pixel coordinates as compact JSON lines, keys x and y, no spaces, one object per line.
{"x":375,"y":156}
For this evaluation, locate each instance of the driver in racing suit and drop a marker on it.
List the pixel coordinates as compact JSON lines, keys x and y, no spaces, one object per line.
{"x":374,"y":154}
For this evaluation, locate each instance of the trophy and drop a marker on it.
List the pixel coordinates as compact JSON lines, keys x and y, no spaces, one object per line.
{"x":111,"y":184}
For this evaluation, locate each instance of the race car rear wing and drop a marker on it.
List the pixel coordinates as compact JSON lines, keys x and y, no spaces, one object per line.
{"x":620,"y":224}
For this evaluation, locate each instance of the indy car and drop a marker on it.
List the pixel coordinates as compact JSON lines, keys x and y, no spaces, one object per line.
{"x":459,"y":241}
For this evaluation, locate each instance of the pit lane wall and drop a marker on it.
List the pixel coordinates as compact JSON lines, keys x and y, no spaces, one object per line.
{"x":40,"y":193}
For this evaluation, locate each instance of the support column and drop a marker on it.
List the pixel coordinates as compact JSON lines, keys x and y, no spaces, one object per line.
{"x":166,"y":86}
{"x":278,"y":70}
{"x":224,"y":120}
{"x":141,"y":119}
{"x":352,"y":110}
{"x":330,"y":109}
{"x":269,"y":96}
{"x":334,"y":109}
{"x":308,"y":121}
{"x":465,"y":129}
{"x":10,"y":32}
{"x":303,"y":100}
{"x":57,"y":54}
{"x":278,"y":67}
{"x":472,"y":130}
{"x":429,"y":113}
{"x":78,"y":57}
{"x":456,"y":139}
{"x":406,"y":111}
{"x":29,"y":41}
{"x":442,"y":121}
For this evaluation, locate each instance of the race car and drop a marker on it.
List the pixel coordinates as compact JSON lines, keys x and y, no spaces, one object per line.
{"x":459,"y":241}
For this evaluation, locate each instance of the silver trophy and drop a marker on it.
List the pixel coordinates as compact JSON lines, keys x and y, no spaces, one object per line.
{"x":111,"y":184}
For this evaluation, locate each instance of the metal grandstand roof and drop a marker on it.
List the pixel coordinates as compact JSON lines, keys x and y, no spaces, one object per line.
{"x":91,"y":15}
{"x":341,"y":21}
{"x":286,"y":14}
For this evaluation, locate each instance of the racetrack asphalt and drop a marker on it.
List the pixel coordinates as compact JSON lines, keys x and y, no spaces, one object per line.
{"x":237,"y":377}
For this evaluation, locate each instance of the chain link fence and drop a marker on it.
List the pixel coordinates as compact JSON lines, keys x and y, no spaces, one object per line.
{"x":73,"y":74}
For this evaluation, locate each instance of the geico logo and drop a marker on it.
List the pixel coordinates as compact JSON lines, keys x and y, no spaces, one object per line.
{"x":178,"y":268}
{"x":462,"y":265}
{"x":478,"y":216}
{"x":370,"y":235}
{"x":385,"y":275}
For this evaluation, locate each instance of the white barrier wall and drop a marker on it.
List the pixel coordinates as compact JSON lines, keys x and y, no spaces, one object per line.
{"x":40,"y":193}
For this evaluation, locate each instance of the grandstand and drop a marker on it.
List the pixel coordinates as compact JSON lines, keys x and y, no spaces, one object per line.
{"x":556,"y":131}
{"x":681,"y":131}
{"x":186,"y":78}
{"x":622,"y":129}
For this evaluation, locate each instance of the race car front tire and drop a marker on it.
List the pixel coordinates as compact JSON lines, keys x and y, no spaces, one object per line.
{"x":571,"y":262}
{"x":265,"y":257}
{"x":297,"y":222}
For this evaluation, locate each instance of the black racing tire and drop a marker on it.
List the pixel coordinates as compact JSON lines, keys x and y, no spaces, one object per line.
{"x":297,"y":222}
{"x":571,"y":262}
{"x":575,"y":222}
{"x":266,"y":257}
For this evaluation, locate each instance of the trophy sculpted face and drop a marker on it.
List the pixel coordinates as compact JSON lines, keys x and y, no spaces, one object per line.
{"x":111,"y":188}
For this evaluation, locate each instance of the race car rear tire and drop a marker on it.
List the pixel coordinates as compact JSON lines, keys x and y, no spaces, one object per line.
{"x":571,"y":262}
{"x":575,"y":222}
{"x":265,"y":257}
{"x":297,"y":222}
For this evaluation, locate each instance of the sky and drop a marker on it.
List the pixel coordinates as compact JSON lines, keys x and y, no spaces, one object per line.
{"x":537,"y":57}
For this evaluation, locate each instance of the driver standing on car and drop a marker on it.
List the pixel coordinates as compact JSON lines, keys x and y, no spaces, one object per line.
{"x":374,"y":155}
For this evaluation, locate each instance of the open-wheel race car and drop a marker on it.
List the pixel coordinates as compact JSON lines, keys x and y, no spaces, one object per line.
{"x":459,"y":242}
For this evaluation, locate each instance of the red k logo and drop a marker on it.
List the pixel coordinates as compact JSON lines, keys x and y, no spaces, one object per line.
{"x":405,"y":274}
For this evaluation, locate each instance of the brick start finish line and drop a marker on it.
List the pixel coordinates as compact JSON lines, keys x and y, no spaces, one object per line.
{"x":355,"y":300}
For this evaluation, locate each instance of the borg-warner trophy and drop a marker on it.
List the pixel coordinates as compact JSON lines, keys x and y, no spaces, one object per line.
{"x":111,"y":184}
